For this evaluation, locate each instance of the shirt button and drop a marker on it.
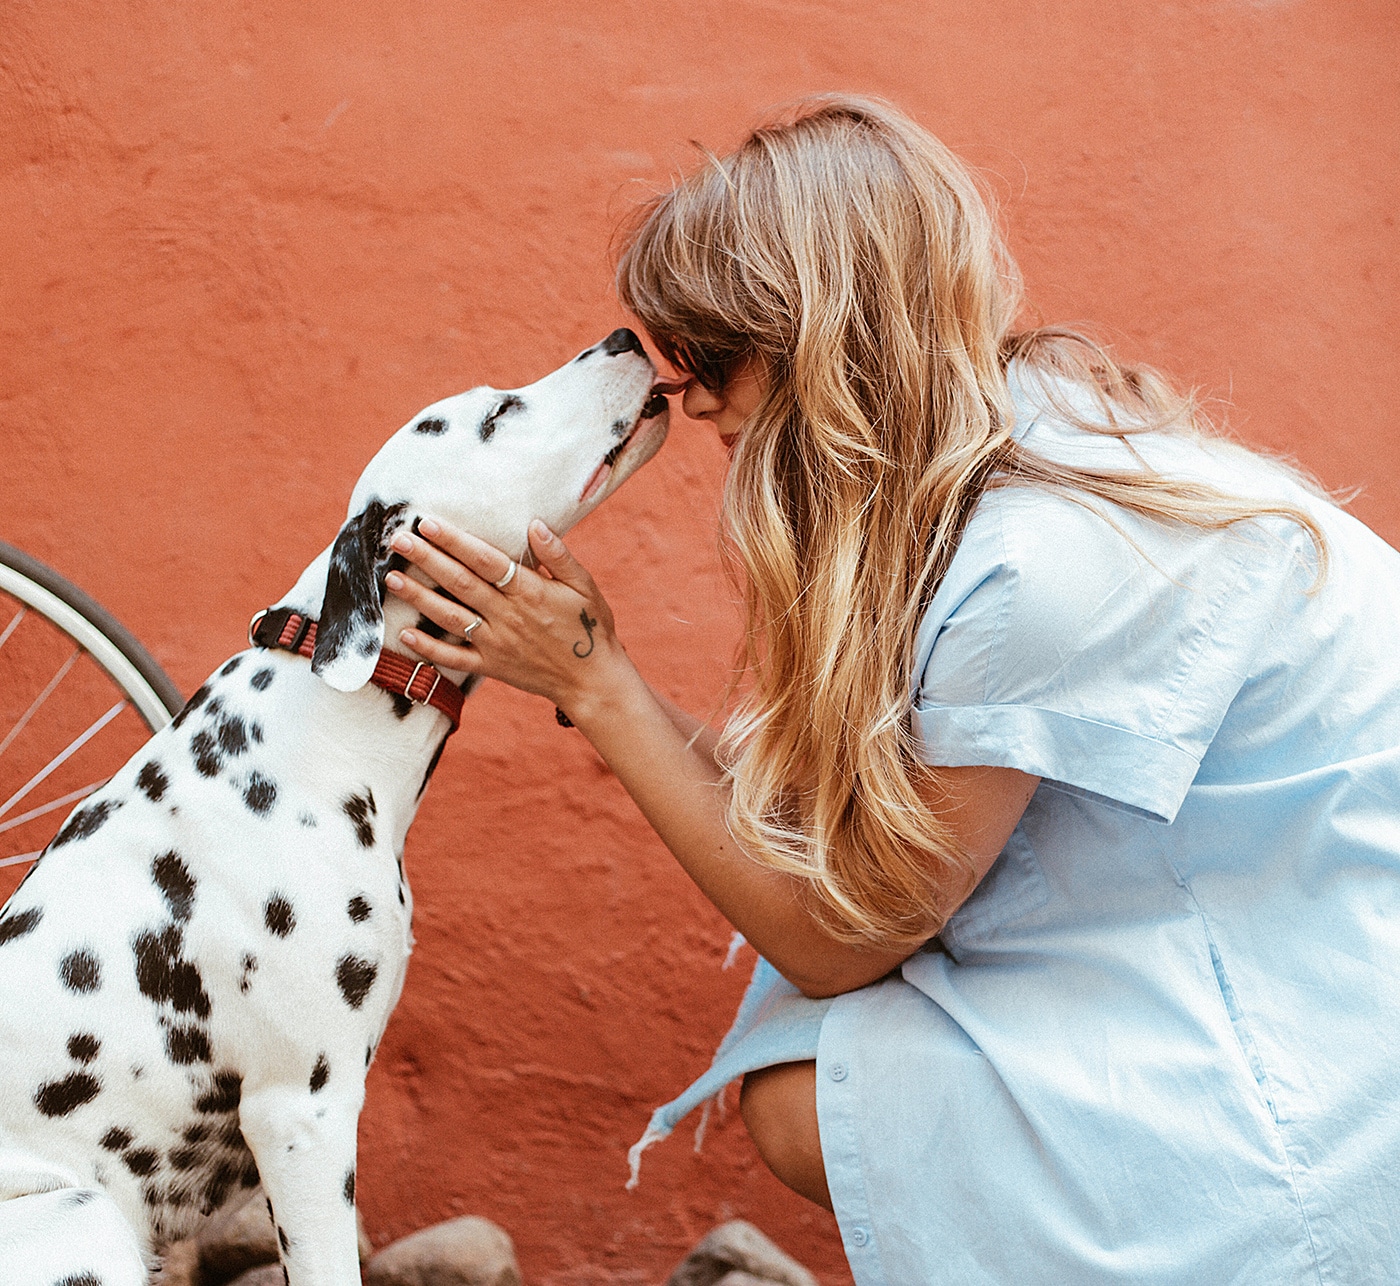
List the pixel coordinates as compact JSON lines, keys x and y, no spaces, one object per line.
{"x":859,"y":1236}
{"x":837,"y":1071}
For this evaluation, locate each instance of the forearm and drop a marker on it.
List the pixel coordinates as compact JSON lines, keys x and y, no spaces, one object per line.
{"x":680,"y":791}
{"x":696,"y":732}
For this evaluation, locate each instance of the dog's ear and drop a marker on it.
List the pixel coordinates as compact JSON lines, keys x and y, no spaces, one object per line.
{"x":351,"y":629}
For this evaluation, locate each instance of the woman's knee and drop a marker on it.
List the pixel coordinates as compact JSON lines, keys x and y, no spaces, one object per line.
{"x":779,"y":1107}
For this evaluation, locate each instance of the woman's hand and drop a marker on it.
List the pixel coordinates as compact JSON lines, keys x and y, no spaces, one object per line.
{"x":547,"y":634}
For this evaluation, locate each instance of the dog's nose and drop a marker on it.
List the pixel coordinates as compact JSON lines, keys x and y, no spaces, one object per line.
{"x":622,"y":340}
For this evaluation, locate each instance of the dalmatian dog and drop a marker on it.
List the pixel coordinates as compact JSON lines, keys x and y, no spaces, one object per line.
{"x":195,"y":975}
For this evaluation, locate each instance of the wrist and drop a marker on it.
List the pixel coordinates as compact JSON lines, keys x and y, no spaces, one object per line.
{"x":604,"y":693}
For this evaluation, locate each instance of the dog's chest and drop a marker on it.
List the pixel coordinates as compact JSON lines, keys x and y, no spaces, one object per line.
{"x":213,"y":922}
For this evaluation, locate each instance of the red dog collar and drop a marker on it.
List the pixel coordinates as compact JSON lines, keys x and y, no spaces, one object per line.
{"x":424,"y":685}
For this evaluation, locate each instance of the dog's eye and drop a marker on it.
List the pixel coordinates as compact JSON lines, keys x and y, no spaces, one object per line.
{"x":504,"y":407}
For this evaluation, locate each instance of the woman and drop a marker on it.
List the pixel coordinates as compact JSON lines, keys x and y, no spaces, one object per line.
{"x":1064,"y":795}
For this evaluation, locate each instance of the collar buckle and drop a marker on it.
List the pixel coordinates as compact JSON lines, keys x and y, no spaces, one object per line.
{"x":413,"y":678}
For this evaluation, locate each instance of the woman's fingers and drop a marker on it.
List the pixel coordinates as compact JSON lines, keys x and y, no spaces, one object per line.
{"x":462,"y":570}
{"x":450,"y":656}
{"x":474,"y":553}
{"x":455,"y":618}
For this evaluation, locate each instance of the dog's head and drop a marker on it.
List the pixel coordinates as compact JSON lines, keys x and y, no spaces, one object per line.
{"x":488,"y":461}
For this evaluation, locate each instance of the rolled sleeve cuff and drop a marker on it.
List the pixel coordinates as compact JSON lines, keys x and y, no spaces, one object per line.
{"x":1119,"y":765}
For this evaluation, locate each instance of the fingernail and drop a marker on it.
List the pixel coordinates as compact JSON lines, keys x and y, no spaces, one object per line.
{"x":394,"y":581}
{"x":403,"y":544}
{"x":541,"y":530}
{"x":408,"y":637}
{"x":430,"y":526}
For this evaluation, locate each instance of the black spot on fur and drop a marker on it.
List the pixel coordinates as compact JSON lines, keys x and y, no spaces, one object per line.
{"x":81,"y":971}
{"x":116,"y":1140}
{"x":431,"y":628}
{"x":83,"y":1046}
{"x":152,"y":782}
{"x":320,"y":1074}
{"x":16,"y":926}
{"x":214,"y":707}
{"x":255,"y":730}
{"x":141,"y":1161}
{"x":81,"y":1197}
{"x":260,"y":794}
{"x":403,"y":707}
{"x":356,"y":977}
{"x":201,"y":695}
{"x":307,"y":819}
{"x":207,"y":760}
{"x":85,"y":821}
{"x":223,"y":1096}
{"x":432,"y":766}
{"x":231,"y":665}
{"x":359,"y":809}
{"x":262,"y":680}
{"x":369,"y":1055}
{"x":283,"y":1241}
{"x":79,"y":1279}
{"x":279,"y":916}
{"x":358,"y":909}
{"x":250,"y":967}
{"x":174,"y":880}
{"x":504,"y":407}
{"x":185,"y":1158}
{"x":221,"y":1183}
{"x":432,"y":425}
{"x":58,"y":1098}
{"x":250,"y":1177}
{"x":186,"y":1044}
{"x":163,"y":975}
{"x":233,"y":736}
{"x":348,"y":1189}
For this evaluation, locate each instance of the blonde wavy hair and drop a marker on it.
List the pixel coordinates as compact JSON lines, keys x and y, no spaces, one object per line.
{"x":852,"y":255}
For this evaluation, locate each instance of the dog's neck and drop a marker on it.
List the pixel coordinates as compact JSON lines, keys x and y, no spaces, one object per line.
{"x":369,"y":725}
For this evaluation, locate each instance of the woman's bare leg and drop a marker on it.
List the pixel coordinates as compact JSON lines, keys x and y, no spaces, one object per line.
{"x":779,"y":1107}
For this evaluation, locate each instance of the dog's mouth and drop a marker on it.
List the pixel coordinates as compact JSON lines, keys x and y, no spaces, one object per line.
{"x":653,"y":409}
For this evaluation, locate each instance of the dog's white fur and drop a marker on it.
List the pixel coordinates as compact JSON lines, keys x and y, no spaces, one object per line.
{"x":194,"y":977}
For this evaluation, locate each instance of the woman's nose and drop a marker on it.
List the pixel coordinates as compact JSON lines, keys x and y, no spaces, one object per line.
{"x":698,"y":401}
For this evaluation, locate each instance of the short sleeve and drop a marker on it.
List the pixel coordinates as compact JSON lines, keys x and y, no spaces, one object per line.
{"x":1097,"y":651}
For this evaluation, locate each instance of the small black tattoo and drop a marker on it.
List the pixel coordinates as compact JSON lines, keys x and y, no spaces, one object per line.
{"x":588,"y":622}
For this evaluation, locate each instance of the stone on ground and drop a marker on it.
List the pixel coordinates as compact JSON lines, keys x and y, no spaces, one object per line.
{"x":469,"y":1251}
{"x":266,"y":1275}
{"x":232,"y":1244}
{"x":737,"y":1254}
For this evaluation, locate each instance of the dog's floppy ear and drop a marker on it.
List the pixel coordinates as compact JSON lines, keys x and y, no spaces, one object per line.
{"x":351,"y":629}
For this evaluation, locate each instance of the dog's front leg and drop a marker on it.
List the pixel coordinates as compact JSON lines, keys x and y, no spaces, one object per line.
{"x":305,"y":1149}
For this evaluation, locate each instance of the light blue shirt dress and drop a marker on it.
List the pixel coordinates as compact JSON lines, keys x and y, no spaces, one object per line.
{"x":1160,"y":1043}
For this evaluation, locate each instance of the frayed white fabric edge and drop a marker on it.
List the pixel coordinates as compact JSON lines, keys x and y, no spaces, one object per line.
{"x":656,"y":1131}
{"x":730,"y":956}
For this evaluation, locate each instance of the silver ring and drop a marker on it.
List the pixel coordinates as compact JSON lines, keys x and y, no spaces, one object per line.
{"x":508,"y":577}
{"x":467,"y":633}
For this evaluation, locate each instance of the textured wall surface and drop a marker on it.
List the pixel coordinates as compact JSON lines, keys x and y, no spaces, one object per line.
{"x":242,"y":242}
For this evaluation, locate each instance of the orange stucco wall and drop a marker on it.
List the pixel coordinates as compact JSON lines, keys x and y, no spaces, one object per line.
{"x":243,"y":242}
